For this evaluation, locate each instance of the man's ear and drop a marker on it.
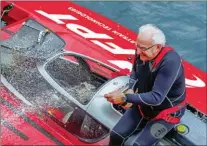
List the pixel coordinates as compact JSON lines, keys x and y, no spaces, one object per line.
{"x":159,"y":46}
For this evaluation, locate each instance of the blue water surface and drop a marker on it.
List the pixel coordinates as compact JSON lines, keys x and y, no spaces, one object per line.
{"x":184,"y":23}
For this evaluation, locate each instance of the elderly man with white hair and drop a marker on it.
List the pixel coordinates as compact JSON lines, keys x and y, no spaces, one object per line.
{"x":156,"y":92}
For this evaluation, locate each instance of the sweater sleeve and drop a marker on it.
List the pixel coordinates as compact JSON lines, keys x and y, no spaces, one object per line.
{"x":165,"y":78}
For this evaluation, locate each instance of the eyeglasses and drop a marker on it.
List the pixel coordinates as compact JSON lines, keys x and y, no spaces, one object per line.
{"x":143,"y":48}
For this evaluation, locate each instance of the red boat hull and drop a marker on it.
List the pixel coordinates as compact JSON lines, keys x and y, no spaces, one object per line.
{"x":86,"y":32}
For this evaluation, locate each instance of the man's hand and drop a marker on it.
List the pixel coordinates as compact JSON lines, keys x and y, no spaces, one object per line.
{"x":128,"y":105}
{"x":115,"y":97}
{"x":129,"y":91}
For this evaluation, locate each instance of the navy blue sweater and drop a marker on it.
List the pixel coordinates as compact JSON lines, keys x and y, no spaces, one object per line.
{"x":160,"y":88}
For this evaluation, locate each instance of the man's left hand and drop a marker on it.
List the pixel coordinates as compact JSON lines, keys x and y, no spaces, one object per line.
{"x":115,"y":97}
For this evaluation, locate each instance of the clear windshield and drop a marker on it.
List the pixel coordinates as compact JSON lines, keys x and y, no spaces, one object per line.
{"x":19,"y":56}
{"x":75,"y":77}
{"x":34,"y":40}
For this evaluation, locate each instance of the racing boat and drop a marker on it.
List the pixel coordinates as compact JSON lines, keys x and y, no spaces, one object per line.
{"x":56,"y":65}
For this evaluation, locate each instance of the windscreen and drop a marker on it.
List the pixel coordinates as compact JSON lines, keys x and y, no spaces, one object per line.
{"x":75,"y":77}
{"x":19,"y":57}
{"x":34,"y":40}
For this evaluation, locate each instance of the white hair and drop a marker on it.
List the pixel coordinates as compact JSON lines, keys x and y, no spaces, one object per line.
{"x":158,"y":36}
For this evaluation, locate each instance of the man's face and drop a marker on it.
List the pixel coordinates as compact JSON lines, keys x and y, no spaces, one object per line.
{"x":145,"y":48}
